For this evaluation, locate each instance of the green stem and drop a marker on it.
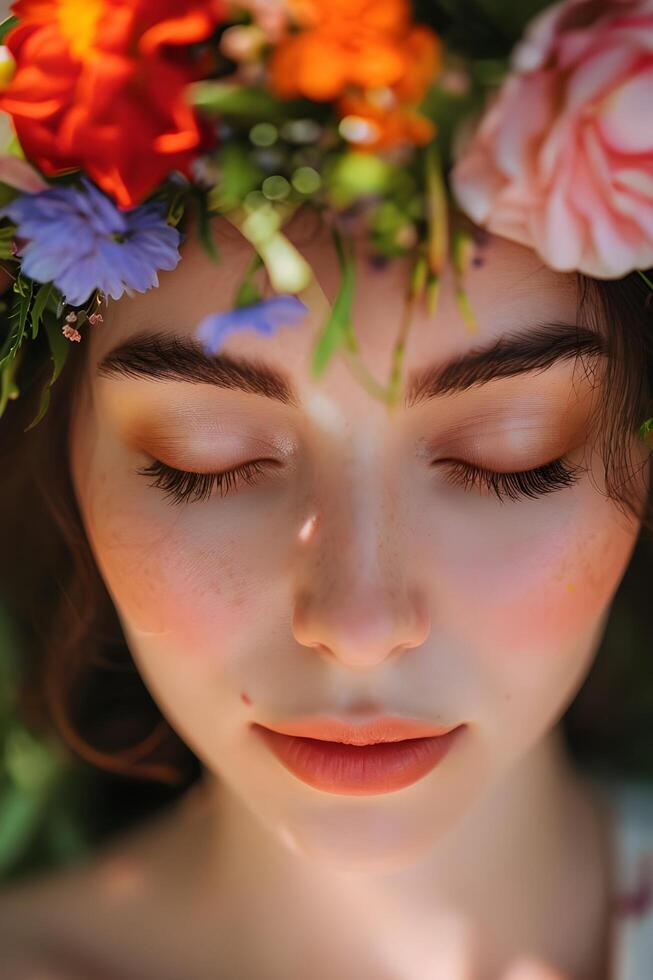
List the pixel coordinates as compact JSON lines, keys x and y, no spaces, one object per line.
{"x":418,"y":281}
{"x":360,"y":372}
{"x":646,"y":279}
{"x":394,"y":385}
{"x":350,"y":350}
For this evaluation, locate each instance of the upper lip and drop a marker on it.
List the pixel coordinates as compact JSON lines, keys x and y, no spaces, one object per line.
{"x":379,"y":729}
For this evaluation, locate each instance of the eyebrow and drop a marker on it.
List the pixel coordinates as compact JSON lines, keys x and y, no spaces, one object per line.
{"x":513,"y":354}
{"x":162,"y":356}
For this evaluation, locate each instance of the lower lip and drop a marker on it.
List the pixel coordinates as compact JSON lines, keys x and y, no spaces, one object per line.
{"x":359,"y":770}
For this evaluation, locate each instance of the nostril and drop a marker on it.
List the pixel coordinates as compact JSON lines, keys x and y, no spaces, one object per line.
{"x":401,"y":648}
{"x":396,"y":651}
{"x":322,"y":648}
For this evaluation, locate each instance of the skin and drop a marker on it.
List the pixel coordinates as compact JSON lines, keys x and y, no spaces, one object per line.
{"x":356,"y":577}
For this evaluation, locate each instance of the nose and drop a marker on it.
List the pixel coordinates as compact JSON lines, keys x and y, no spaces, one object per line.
{"x":355,"y":601}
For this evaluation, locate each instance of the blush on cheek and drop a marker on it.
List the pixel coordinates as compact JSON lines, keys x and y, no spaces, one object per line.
{"x":542,"y":590}
{"x":169,"y":580}
{"x":568,"y":597}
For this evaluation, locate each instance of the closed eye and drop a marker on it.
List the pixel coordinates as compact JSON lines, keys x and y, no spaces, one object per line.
{"x":183,"y":486}
{"x":533,"y":483}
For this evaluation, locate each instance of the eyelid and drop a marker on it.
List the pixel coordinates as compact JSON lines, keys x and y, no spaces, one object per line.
{"x":202,"y":433}
{"x":211,"y":453}
{"x":507,"y":455}
{"x":523,"y":440}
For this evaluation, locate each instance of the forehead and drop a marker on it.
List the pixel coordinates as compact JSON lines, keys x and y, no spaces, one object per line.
{"x":510,"y":290}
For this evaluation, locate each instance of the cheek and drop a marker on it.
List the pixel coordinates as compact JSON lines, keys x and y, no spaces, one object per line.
{"x":539,"y":576}
{"x":176,"y":575}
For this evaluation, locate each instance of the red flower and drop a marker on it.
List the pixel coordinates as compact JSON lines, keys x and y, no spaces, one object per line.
{"x":100,"y":86}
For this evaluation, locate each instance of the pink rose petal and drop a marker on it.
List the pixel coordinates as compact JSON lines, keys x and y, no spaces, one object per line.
{"x":20,"y":174}
{"x":626,"y":116}
{"x":532,"y":110}
{"x":596,"y":76}
{"x":562,"y":161}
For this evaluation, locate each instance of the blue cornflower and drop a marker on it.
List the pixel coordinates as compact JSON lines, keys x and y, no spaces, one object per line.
{"x":79,"y":240}
{"x":266,"y":317}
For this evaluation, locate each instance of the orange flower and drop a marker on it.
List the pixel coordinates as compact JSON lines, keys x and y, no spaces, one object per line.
{"x":389,"y":116}
{"x":372,"y":126}
{"x":100,"y":85}
{"x":342,"y":43}
{"x":367,"y":55}
{"x":422,"y":51}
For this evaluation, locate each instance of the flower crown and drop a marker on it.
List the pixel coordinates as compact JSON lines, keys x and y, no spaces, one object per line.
{"x":404,"y":119}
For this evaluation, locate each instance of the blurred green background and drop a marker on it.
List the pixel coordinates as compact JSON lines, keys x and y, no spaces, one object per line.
{"x":56,"y":808}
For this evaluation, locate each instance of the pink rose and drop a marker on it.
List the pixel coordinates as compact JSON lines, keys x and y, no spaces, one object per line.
{"x":15,"y":171}
{"x":562,"y":160}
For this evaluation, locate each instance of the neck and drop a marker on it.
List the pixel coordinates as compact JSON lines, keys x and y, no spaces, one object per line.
{"x":509,"y":878}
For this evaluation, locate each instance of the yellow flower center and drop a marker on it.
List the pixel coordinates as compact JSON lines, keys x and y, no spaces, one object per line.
{"x":78,"y":22}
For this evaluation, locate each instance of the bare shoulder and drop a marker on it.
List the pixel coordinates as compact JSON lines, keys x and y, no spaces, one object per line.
{"x":69,"y":924}
{"x":39,"y":921}
{"x":63,"y":924}
{"x":78,"y":922}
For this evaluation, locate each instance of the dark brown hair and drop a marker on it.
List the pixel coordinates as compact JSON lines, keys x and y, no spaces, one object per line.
{"x":78,"y":678}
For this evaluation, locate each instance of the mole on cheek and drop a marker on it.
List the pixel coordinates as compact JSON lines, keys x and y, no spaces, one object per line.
{"x":246,"y":698}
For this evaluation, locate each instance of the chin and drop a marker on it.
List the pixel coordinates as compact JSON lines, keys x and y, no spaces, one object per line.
{"x":381,"y":834}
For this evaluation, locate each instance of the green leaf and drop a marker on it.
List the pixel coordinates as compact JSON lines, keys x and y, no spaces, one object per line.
{"x":17,"y":319}
{"x":29,"y":761}
{"x":25,"y":290}
{"x":646,"y":428}
{"x":6,"y":236}
{"x":7,"y":346}
{"x":248,"y":292}
{"x":176,"y":208}
{"x":353,"y":174}
{"x":204,"y":227}
{"x":337,"y":330}
{"x":23,"y":312}
{"x":8,"y":386}
{"x":40,"y":304}
{"x":21,"y":285}
{"x":7,"y":25}
{"x":646,"y":279}
{"x":227,"y":99}
{"x":59,"y":349}
{"x":43,"y":407}
{"x":239,"y":175}
{"x":20,"y":814}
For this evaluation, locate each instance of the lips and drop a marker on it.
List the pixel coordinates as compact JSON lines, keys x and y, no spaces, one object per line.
{"x":381,"y":756}
{"x":380,"y":729}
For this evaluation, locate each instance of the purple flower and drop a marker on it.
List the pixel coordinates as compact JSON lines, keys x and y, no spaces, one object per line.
{"x":266,"y":317}
{"x":80,"y":241}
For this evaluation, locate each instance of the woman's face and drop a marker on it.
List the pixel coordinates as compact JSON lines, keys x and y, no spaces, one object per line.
{"x":358,"y":573}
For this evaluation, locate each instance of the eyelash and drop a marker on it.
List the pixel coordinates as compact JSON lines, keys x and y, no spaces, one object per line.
{"x":183,"y":486}
{"x":556,"y":475}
